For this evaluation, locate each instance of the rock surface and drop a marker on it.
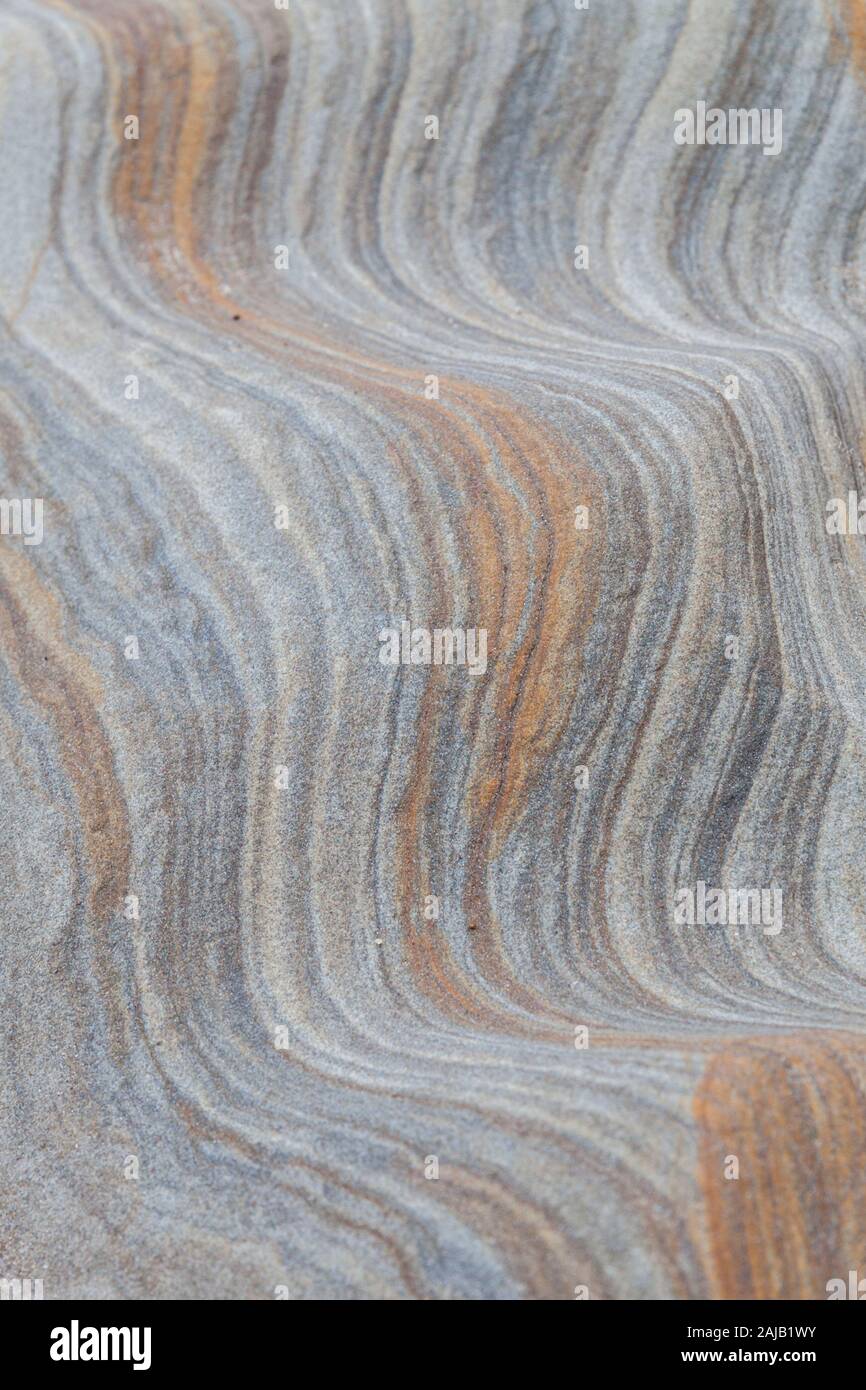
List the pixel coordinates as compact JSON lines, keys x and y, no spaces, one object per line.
{"x":288,"y":371}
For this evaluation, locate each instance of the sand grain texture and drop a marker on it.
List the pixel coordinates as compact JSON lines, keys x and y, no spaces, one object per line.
{"x":301,"y":907}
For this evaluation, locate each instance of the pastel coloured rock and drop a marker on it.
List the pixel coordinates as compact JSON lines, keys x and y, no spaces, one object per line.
{"x":347,"y":953}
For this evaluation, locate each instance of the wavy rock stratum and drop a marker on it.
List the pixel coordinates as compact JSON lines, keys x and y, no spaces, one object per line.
{"x":300,"y":345}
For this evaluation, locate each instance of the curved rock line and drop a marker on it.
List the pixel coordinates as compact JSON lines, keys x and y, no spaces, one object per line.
{"x":287,"y":373}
